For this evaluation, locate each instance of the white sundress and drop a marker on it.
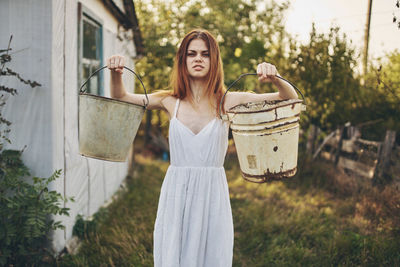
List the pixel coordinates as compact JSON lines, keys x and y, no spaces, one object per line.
{"x":194,"y":226}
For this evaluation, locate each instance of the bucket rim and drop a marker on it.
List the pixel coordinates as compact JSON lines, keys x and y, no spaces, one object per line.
{"x":279,"y":103}
{"x":111,"y":99}
{"x":255,"y":74}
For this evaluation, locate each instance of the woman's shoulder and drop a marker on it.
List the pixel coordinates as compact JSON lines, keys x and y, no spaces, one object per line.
{"x":169,"y":102}
{"x":163,"y":96}
{"x":169,"y":99}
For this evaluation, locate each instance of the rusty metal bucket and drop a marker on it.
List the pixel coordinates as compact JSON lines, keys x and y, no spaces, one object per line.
{"x":107,"y":127}
{"x":266,"y":136}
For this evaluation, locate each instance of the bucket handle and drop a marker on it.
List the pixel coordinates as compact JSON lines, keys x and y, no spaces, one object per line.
{"x":246,"y":74}
{"x":96,"y":71}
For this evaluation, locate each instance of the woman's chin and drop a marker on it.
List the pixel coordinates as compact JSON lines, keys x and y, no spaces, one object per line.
{"x":198,"y":76}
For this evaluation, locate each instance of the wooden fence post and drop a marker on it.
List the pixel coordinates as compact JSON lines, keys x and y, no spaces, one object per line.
{"x":326,"y":139}
{"x":384,"y":154}
{"x":353,"y":132}
{"x":343,"y":130}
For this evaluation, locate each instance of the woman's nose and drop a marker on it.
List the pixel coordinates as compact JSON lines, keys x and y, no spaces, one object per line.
{"x":198,"y":58}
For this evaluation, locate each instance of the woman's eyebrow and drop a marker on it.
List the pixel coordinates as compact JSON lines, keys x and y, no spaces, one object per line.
{"x":191,"y":50}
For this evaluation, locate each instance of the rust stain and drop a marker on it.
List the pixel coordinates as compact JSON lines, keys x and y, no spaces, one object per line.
{"x":297,"y":116}
{"x":284,"y":131}
{"x":268,"y":128}
{"x":231,"y":110}
{"x":269,"y":176}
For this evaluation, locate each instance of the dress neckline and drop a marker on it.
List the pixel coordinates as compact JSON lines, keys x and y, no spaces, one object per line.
{"x":184,"y":126}
{"x":189,"y":130}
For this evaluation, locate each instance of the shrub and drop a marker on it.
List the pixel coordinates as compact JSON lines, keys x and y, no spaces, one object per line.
{"x":24,"y":212}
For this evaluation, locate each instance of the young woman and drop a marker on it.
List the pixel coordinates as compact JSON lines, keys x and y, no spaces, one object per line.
{"x":194,"y":225}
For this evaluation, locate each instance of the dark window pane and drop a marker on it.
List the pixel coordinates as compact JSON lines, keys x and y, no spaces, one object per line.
{"x":91,"y":34}
{"x":91,"y":46}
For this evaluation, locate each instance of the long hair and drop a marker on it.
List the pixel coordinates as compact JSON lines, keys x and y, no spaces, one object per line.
{"x":179,"y":82}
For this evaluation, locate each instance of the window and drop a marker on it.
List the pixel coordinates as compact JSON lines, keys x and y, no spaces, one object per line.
{"x":90,"y":51}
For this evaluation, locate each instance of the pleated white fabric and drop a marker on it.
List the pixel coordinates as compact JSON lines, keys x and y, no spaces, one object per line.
{"x":194,"y":226}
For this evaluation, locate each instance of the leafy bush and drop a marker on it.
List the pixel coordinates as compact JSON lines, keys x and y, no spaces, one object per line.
{"x":83,"y":228}
{"x":24,"y":212}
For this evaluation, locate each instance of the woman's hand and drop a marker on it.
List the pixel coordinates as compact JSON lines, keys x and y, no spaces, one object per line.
{"x":116,"y":63}
{"x":266,"y":72}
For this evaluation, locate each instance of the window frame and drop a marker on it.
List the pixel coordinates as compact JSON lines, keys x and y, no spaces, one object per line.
{"x":86,"y":15}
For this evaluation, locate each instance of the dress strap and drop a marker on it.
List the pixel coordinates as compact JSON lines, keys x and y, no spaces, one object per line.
{"x":176,"y":107}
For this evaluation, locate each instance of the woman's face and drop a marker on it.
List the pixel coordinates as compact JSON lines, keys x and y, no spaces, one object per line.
{"x":198,"y":59}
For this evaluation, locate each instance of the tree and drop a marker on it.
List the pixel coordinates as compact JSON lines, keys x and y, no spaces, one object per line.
{"x":381,"y":98}
{"x":248,"y":32}
{"x":324,"y":68}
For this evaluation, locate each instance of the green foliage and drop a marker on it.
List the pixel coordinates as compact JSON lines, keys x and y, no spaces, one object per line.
{"x":324,"y":68}
{"x":380,"y":98}
{"x":252,"y":29}
{"x":249,"y":32}
{"x":25,"y":208}
{"x":24,"y":212}
{"x":83,"y":228}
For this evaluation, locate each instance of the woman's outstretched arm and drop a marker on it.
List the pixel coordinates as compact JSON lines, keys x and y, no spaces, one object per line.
{"x":116,"y":65}
{"x":266,"y":73}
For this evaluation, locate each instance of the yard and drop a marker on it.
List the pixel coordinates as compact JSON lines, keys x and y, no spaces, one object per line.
{"x":320,"y":217}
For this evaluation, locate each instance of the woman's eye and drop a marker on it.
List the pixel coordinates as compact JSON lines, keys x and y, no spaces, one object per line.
{"x":206,"y":55}
{"x":191,"y":54}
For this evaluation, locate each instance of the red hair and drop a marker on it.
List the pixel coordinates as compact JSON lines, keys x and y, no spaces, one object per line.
{"x":179,"y":83}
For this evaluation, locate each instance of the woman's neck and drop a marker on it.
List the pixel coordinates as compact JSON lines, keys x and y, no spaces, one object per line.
{"x":198,"y":88}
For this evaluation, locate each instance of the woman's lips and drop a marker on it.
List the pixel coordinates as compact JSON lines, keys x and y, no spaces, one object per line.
{"x":198,"y":67}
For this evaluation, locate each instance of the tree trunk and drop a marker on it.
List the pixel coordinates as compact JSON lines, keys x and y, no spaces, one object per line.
{"x":343,"y":131}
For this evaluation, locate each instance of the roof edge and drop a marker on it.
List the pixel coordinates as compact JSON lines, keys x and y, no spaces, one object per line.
{"x":128,"y":20}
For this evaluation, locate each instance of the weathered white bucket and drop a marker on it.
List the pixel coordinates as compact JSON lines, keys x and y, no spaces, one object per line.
{"x":107,"y":127}
{"x":266,"y":136}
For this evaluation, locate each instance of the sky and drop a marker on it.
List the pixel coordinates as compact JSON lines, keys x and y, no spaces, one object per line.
{"x":351,"y":17}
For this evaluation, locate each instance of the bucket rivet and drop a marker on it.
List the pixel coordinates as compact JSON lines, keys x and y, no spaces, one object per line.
{"x":275,"y":148}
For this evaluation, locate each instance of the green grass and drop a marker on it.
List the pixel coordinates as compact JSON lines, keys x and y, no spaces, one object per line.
{"x":320,"y":217}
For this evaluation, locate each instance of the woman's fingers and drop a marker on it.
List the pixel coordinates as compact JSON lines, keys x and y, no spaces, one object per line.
{"x":266,"y":72}
{"x":262,"y":72}
{"x":121,"y":64}
{"x":116,"y":63}
{"x":264,"y":66}
{"x":112,"y":62}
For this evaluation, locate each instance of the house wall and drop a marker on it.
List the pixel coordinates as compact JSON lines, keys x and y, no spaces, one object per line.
{"x":92,"y":182}
{"x":31,"y":110}
{"x":45,"y":119}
